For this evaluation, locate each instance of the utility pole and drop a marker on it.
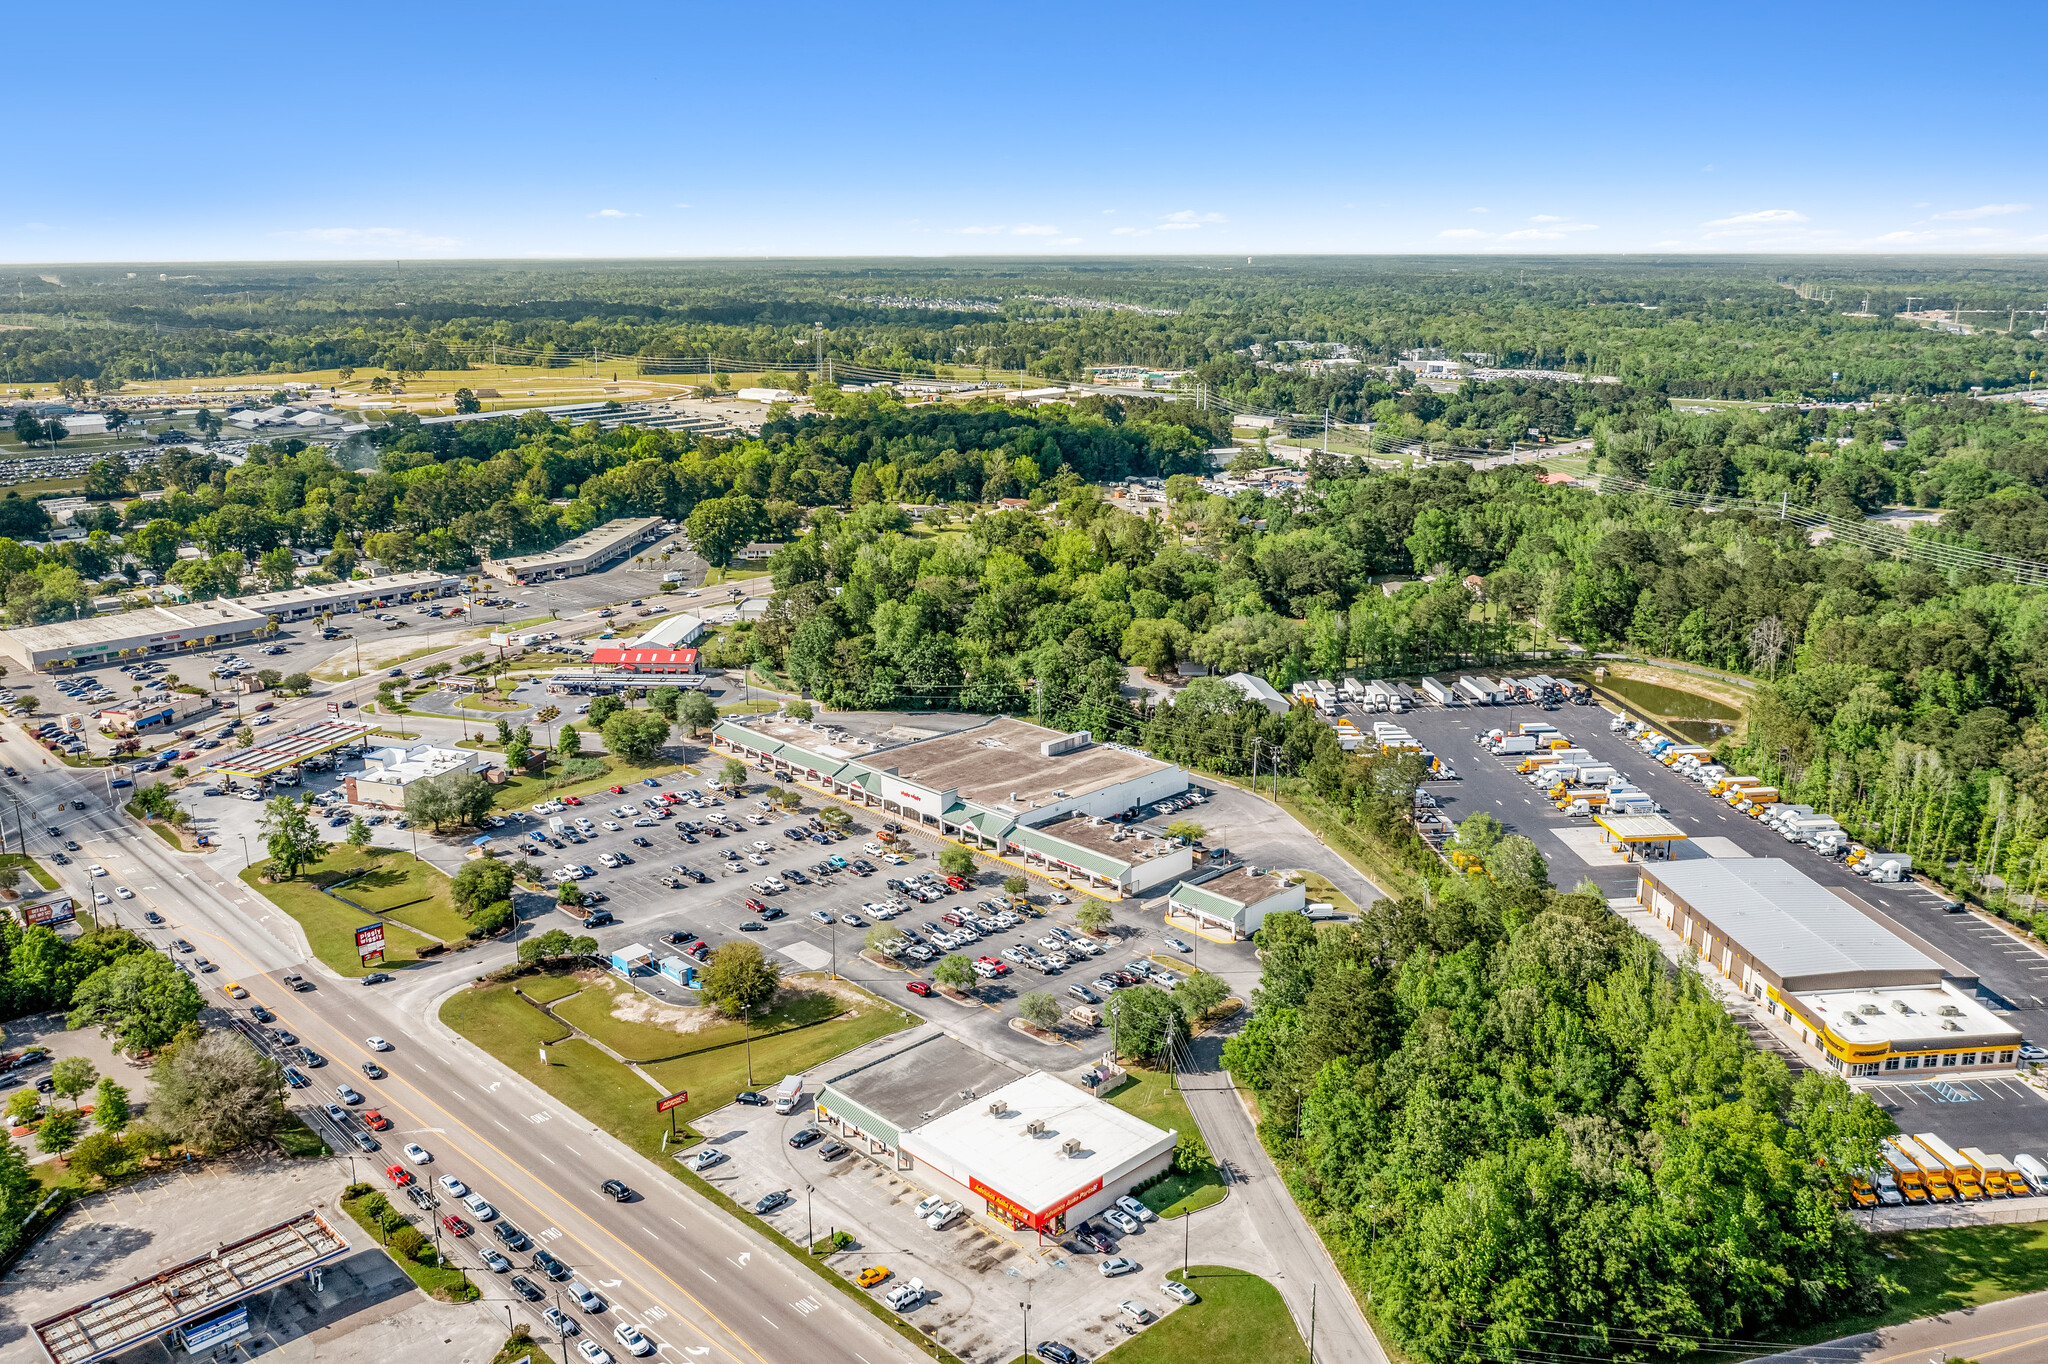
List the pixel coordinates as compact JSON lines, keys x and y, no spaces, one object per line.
{"x":1311,"y":1324}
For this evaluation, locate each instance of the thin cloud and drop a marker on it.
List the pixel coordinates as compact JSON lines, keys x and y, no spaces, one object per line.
{"x":980,"y":231}
{"x":1068,"y":241}
{"x":1034,"y":230}
{"x":1546,"y":218}
{"x":612,"y":213}
{"x":1767,"y":217}
{"x":1463,"y":233}
{"x":1187,"y":217}
{"x":1981,"y":211}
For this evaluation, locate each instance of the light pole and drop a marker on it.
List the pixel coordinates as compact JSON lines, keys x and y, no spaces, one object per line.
{"x":810,"y":1228}
{"x":246,"y":859}
{"x":1115,"y":1048}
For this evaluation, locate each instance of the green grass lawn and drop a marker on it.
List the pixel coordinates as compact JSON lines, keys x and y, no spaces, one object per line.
{"x":1240,"y":1317}
{"x":297,"y":1139}
{"x":34,"y":869}
{"x":402,"y":886}
{"x":519,"y":793}
{"x":1178,"y":1195}
{"x":437,"y":1281}
{"x":1949,"y":1269}
{"x":612,"y":1096}
{"x":331,"y":925}
{"x":591,"y":1011}
{"x":548,"y":989}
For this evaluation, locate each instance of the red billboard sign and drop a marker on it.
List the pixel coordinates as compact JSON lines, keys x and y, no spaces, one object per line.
{"x":675,"y":1100}
{"x":370,"y":942}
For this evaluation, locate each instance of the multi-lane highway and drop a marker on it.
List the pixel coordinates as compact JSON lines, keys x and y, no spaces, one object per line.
{"x":695,"y":1280}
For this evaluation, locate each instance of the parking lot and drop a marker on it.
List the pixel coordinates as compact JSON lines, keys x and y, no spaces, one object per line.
{"x":975,"y":1272}
{"x":364,"y":1310}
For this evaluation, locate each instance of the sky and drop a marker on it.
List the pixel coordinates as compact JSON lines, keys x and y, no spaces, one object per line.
{"x":238,"y":132}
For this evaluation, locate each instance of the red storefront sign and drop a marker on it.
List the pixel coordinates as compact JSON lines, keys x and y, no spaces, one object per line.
{"x":370,"y":943}
{"x":1022,"y":1217}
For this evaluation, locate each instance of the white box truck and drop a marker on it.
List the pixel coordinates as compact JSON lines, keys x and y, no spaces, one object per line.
{"x":1439,"y":693}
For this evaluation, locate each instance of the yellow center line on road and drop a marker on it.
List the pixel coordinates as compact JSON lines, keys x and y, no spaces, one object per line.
{"x":450,"y":1118}
{"x":1968,"y":1340}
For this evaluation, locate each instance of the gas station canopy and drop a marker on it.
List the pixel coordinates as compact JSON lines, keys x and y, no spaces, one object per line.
{"x":287,"y":750}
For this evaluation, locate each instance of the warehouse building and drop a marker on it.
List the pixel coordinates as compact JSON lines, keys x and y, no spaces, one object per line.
{"x":1007,"y":786}
{"x":93,"y":640}
{"x":591,"y":552}
{"x":1869,"y":1003}
{"x":303,"y":603}
{"x":1028,"y":1150}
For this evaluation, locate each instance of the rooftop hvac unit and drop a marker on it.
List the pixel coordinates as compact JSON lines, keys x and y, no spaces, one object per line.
{"x":1066,"y":743}
{"x":1868,"y":1009}
{"x":1899,"y":1007}
{"x":997,"y":1108}
{"x":1950,"y":1025}
{"x":1949,"y":1011}
{"x":1070,"y":1148}
{"x":1036,"y":1127}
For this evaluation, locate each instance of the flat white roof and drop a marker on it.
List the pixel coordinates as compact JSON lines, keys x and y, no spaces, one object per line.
{"x":1639,"y":828}
{"x":403,"y":766}
{"x":93,"y":633}
{"x":1869,"y":1016}
{"x":1031,"y":1169}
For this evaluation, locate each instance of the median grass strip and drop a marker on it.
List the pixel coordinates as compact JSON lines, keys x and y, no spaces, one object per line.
{"x":1178,"y":1195}
{"x":331,"y":925}
{"x":398,"y":885}
{"x":1240,"y":1316}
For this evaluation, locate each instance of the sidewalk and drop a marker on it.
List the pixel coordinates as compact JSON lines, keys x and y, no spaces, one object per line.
{"x":1304,"y":1270}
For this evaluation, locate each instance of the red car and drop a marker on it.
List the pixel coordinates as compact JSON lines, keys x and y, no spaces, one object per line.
{"x":616,"y":790}
{"x":957,"y":882}
{"x":399,"y":1175}
{"x":670,"y":798}
{"x":572,"y":800}
{"x":456,"y":1226}
{"x":918,"y":987}
{"x":377,"y":1122}
{"x":189,"y":753}
{"x":756,"y":906}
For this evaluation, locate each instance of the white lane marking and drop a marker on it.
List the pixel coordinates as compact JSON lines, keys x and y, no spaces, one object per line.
{"x":765,"y":1318}
{"x":708,"y":1274}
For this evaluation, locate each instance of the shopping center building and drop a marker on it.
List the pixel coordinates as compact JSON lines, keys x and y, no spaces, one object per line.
{"x":1036,"y":796}
{"x":1843,"y":980}
{"x":591,"y":552}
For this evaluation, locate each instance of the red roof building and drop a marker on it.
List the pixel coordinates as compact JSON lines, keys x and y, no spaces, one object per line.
{"x":646,"y":660}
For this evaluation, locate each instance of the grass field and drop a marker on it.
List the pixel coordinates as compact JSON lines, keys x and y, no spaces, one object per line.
{"x":1944,"y":1270}
{"x":520,"y":792}
{"x":1240,"y":1317}
{"x":591,"y":1012}
{"x":1147,"y":1094}
{"x":403,"y":887}
{"x":35,"y":869}
{"x":331,"y":925}
{"x":1178,"y":1195}
{"x":548,"y":989}
{"x":616,"y":1099}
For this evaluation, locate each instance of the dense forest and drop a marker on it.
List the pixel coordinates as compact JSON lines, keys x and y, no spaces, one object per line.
{"x":1724,"y":327}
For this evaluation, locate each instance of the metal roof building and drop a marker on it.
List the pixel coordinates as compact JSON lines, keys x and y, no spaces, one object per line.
{"x":298,"y":603}
{"x":1763,"y":913}
{"x":287,"y":750}
{"x":151,"y":630}
{"x":589,"y":552}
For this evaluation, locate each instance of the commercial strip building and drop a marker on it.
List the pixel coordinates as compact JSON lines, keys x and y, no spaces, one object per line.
{"x":1006,"y":786}
{"x":93,"y":640}
{"x":200,"y":1302}
{"x":1871,"y":1004}
{"x":147,"y":712}
{"x":1029,"y":1150}
{"x":634,"y":659}
{"x":590,"y":552}
{"x":1234,"y":903}
{"x":303,"y":603}
{"x":387,"y":772}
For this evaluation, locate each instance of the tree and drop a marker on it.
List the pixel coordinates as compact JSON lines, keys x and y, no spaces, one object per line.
{"x":102,"y":1156}
{"x":603,"y":708}
{"x":1040,"y":1008}
{"x":1186,"y":829}
{"x":732,"y":774}
{"x":568,"y":744}
{"x":142,"y":999}
{"x":278,"y":568}
{"x":720,"y":525}
{"x":569,"y":893}
{"x":637,"y":738}
{"x":481,"y":882}
{"x":466,"y":401}
{"x":696,"y":711}
{"x":28,"y":705}
{"x":799,"y":710}
{"x":1146,"y":1019}
{"x":299,"y":682}
{"x":57,"y":1131}
{"x":27,"y":429}
{"x":548,"y":946}
{"x":492,"y":918}
{"x":269,"y":677}
{"x":955,"y":970}
{"x":877,"y":939}
{"x":289,"y":837}
{"x":457,"y":798}
{"x":1015,"y":885}
{"x":1093,"y":915}
{"x":246,"y":738}
{"x":956,"y":860}
{"x":1200,"y":993}
{"x":71,"y":1076}
{"x":24,"y":1108}
{"x":110,"y":1106}
{"x":217,"y":1094}
{"x":360,"y":833}
{"x":738,"y":979}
